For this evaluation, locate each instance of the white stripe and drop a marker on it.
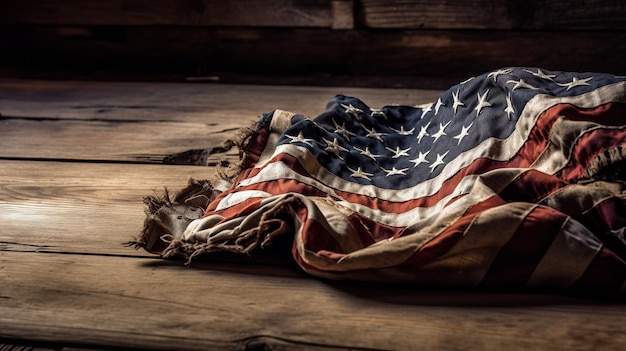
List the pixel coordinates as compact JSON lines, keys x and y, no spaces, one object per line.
{"x":470,"y":259}
{"x":238,"y":197}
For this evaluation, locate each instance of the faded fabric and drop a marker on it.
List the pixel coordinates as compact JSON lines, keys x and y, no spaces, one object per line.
{"x":513,"y":178}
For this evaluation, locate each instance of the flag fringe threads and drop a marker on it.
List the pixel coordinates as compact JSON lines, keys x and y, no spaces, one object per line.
{"x":512,"y":179}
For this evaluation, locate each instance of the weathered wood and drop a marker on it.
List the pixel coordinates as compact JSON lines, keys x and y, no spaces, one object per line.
{"x":495,"y":14}
{"x":123,"y":141}
{"x":343,"y":14}
{"x":223,"y":104}
{"x":310,"y":13}
{"x":65,"y":278}
{"x":144,"y":303}
{"x":434,"y":53}
{"x":80,"y":207}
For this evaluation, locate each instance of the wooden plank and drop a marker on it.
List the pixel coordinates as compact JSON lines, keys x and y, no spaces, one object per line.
{"x":310,"y":13}
{"x":80,"y":207}
{"x":151,"y":304}
{"x":495,"y":14}
{"x":223,"y":104}
{"x":122,"y":141}
{"x":433,"y":53}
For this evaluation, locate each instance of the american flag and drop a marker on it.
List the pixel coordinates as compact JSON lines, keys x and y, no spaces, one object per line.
{"x":514,"y":178}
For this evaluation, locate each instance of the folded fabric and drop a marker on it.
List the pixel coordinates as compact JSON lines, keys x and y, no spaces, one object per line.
{"x":515,"y":178}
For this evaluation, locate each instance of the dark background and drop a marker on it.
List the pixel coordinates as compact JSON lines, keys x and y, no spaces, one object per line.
{"x":377,"y":43}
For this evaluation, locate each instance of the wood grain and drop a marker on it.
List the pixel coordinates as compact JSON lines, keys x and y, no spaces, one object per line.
{"x":67,"y":282}
{"x":143,"y":303}
{"x":223,"y":104}
{"x":310,"y":13}
{"x":80,"y":207}
{"x":123,"y":141}
{"x":495,"y":14}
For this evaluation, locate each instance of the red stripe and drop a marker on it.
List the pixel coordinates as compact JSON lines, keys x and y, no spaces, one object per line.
{"x":590,"y":146}
{"x":609,"y":114}
{"x":451,"y":235}
{"x":605,"y":272}
{"x":370,"y":231}
{"x":531,"y":186}
{"x":517,"y":260}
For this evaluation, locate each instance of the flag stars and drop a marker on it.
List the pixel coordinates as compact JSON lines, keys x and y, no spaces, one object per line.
{"x":299,"y":139}
{"x":495,"y":74}
{"x":422,"y":133}
{"x":425,"y":110}
{"x":341,"y":130}
{"x":438,"y":161}
{"x":375,"y":112}
{"x":372,"y":133}
{"x":438,"y":106}
{"x":401,"y":131}
{"x":397,"y":153}
{"x":334,"y":147}
{"x":352,"y":110}
{"x":421,"y":158}
{"x":464,"y":132}
{"x":575,"y":82}
{"x":441,"y":132}
{"x":368,"y":153}
{"x":457,"y":102}
{"x":482,"y":102}
{"x":394,"y":171}
{"x":520,"y":84}
{"x":541,"y":74}
{"x":359,"y":173}
{"x":509,"y":110}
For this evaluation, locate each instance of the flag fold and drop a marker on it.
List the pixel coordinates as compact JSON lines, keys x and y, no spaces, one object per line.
{"x":513,"y":178}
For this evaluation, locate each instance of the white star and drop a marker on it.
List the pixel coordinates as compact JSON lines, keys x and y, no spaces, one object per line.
{"x":299,"y":139}
{"x":456,"y":102}
{"x":438,"y":162}
{"x":372,"y":133}
{"x":438,"y":106}
{"x":368,"y":153}
{"x":521,"y":84}
{"x":423,"y":132}
{"x":394,"y":171}
{"x":464,"y":133}
{"x":509,"y":107}
{"x":341,"y":130}
{"x":421,"y":158}
{"x":334,"y":147}
{"x":375,"y":112}
{"x":440,"y":132}
{"x":426,"y":109}
{"x":541,"y":74}
{"x":403,"y":132}
{"x":482,"y":103}
{"x":352,"y":110}
{"x":399,"y":152}
{"x":575,"y":82}
{"x":495,"y":74}
{"x":359,"y":173}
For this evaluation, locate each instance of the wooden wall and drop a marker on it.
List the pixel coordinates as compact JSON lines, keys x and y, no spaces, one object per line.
{"x":329,"y":42}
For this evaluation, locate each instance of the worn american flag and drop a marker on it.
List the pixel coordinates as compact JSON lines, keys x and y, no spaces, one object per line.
{"x":512,"y":178}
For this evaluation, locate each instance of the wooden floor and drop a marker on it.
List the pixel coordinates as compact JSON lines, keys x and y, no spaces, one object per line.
{"x":76,"y":159}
